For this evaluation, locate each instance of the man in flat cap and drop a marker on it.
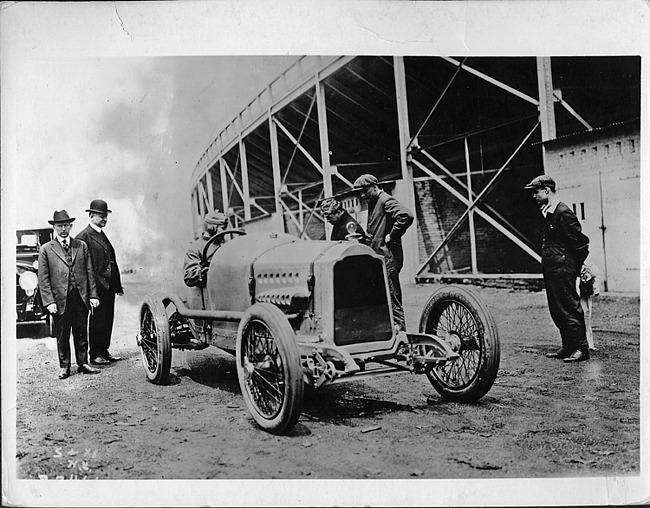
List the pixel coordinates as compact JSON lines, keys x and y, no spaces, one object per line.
{"x":388,"y":220}
{"x":341,"y":221}
{"x":109,"y":283}
{"x":564,"y":249}
{"x":194,"y":274}
{"x":67,"y":284}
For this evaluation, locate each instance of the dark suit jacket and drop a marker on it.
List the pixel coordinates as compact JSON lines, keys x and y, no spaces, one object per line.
{"x":107,"y":273}
{"x":54,"y":273}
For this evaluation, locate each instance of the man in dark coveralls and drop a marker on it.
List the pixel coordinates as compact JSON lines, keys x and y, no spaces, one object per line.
{"x":68,"y":291}
{"x":340,"y":220}
{"x":388,"y":220}
{"x":109,"y":283}
{"x":564,"y":249}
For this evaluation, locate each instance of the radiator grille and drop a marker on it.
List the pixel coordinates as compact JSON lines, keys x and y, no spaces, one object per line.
{"x":361,"y":312}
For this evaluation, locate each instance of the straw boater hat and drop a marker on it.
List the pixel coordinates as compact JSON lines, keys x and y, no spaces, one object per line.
{"x":61,"y":217}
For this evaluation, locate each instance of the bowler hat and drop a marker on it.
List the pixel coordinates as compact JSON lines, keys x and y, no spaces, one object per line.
{"x":540,"y":182}
{"x":365,"y":181}
{"x":61,"y":217}
{"x":99,"y":206}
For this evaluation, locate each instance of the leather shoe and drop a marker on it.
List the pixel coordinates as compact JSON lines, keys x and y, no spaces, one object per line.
{"x":87,"y":369}
{"x":560,"y":353}
{"x":112,"y":358}
{"x":99,"y":361}
{"x":578,"y":356}
{"x":64,"y":373}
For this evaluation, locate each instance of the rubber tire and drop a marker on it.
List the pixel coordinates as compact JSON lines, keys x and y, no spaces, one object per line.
{"x":489,"y":359}
{"x":160,"y":374}
{"x":284,"y":337}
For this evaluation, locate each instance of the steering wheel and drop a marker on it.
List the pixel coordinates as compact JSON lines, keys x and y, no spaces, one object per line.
{"x":218,"y":237}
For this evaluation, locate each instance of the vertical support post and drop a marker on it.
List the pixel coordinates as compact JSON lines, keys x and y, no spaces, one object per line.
{"x":301,"y":211}
{"x":201,"y":196}
{"x":277,"y":177}
{"x":195,"y":213}
{"x":324,"y":146}
{"x":224,"y":186}
{"x":244,"y":179}
{"x":410,"y":240}
{"x":208,"y":179}
{"x":470,"y":198}
{"x":546,"y":111}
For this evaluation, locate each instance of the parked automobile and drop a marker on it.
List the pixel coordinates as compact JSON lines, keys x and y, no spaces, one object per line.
{"x":29,"y":308}
{"x":296,"y":312}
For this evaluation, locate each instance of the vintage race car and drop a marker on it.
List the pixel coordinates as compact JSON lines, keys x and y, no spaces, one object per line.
{"x":29,"y":308}
{"x":296,"y":312}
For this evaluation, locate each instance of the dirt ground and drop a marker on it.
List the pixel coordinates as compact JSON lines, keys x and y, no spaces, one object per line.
{"x":542,"y":417}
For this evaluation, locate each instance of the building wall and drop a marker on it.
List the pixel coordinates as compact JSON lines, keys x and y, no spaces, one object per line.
{"x":598,"y":174}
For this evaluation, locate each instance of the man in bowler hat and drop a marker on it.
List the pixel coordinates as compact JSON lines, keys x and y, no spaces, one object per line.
{"x":109,"y":283}
{"x":564,"y":250}
{"x":68,"y":291}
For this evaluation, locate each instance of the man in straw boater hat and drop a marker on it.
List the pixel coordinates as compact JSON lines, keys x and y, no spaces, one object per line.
{"x":68,"y":291}
{"x":564,"y":249}
{"x":109,"y":283}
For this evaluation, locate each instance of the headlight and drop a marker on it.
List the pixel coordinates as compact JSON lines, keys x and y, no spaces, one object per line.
{"x":35,"y":265}
{"x":29,"y":282}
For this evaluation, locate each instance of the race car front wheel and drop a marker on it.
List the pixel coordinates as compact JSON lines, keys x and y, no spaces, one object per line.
{"x":268,"y":368}
{"x":154,"y":340}
{"x":461,"y":319}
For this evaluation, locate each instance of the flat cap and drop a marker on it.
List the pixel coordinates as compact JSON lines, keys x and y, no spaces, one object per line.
{"x":541,"y":181}
{"x":365,"y":181}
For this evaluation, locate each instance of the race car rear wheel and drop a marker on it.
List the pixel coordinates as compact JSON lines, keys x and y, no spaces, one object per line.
{"x":462,"y":319}
{"x":154,"y":340}
{"x":268,"y":368}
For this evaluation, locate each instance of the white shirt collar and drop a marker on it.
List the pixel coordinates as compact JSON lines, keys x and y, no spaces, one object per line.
{"x":61,"y":240}
{"x":96,"y":228}
{"x":550,"y":206}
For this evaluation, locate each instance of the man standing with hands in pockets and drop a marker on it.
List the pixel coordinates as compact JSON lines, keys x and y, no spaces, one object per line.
{"x":564,"y":249}
{"x":108,"y":279}
{"x":67,"y":285}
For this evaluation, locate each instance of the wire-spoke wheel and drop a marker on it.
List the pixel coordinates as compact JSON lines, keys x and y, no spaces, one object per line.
{"x":462,"y":320}
{"x":154,"y":340}
{"x":268,"y":368}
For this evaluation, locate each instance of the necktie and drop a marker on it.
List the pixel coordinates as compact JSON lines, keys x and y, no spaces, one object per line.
{"x":65,"y":245}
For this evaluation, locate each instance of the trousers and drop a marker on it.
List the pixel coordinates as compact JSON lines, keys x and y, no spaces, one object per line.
{"x":73,"y":319}
{"x":101,"y":326}
{"x":393,"y":267}
{"x":566,"y":310}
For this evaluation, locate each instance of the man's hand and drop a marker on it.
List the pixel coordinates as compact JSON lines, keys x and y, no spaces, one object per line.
{"x":51,"y":308}
{"x":121,"y":293}
{"x":94,"y":303}
{"x":388,"y":239}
